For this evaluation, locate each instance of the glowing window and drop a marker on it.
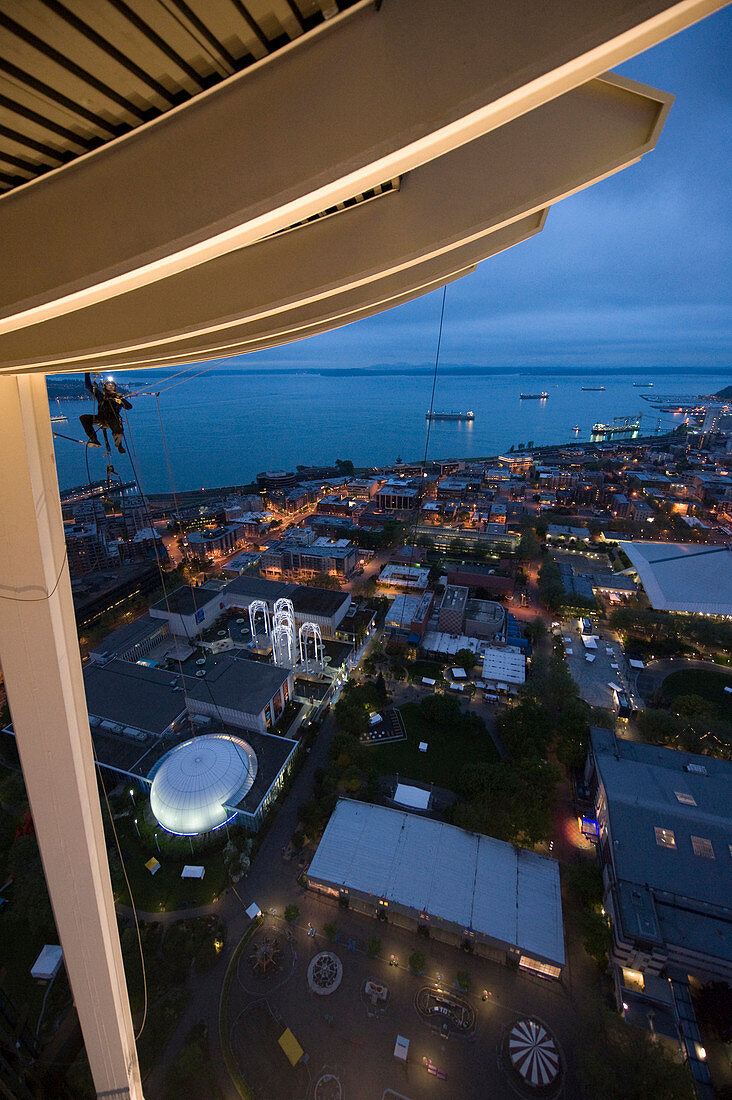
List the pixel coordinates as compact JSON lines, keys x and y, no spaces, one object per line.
{"x":702,"y":847}
{"x":687,"y":799}
{"x":665,"y":837}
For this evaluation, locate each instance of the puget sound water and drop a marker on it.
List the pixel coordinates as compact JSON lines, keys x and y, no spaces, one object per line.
{"x":226,"y":425}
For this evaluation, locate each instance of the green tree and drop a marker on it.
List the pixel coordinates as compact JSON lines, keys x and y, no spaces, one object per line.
{"x":529,"y":546}
{"x":619,"y":1062}
{"x":658,"y":726}
{"x":463,"y":980}
{"x":292,"y":912}
{"x":373,"y":946}
{"x":417,"y":962}
{"x":331,"y":930}
{"x":525,"y":730}
{"x":465,"y":658}
{"x":324,"y":580}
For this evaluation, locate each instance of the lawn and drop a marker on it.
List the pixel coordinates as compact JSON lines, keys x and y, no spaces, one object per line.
{"x":449,"y":750}
{"x":165,"y":889}
{"x":706,"y":683}
{"x":418,"y":669}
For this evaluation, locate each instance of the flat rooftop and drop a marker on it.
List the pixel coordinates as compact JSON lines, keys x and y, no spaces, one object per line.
{"x":318,"y":601}
{"x":686,"y":577}
{"x":134,"y":695}
{"x":258,"y":588}
{"x":410,"y":576}
{"x":405,"y":609}
{"x":185,"y":600}
{"x":238,"y":684}
{"x":455,"y":598}
{"x":467,"y":879}
{"x":671,"y":830}
{"x":506,"y":665}
{"x":128,"y":635}
{"x":306,"y":600}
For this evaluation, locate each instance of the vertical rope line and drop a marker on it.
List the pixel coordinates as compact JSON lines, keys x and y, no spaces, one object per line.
{"x":412,"y":545}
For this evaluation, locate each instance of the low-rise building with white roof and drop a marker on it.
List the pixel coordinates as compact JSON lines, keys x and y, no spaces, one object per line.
{"x":466,"y":888}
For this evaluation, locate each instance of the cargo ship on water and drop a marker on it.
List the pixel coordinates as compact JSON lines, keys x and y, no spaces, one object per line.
{"x":620,"y":426}
{"x":593,"y":389}
{"x":534,"y":396}
{"x":450,"y":416}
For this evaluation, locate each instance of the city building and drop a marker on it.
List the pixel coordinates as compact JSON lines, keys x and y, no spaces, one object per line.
{"x":484,"y":577}
{"x":451,"y":615}
{"x":216,"y":541}
{"x":466,"y":889}
{"x":337,"y":557}
{"x":664,"y":824}
{"x":131,"y":641}
{"x":322,"y":606}
{"x":396,"y":496}
{"x":394,"y":575}
{"x":510,"y":121}
{"x":408,"y":616}
{"x":503,"y":668}
{"x":188,"y":611}
{"x":684,"y":577}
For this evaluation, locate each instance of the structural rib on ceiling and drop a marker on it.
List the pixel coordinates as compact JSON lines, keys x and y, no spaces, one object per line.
{"x":78,"y":73}
{"x":385,"y":92}
{"x":450,"y":214}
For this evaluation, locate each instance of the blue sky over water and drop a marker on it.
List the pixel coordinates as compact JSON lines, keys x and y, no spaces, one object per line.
{"x":631,"y":272}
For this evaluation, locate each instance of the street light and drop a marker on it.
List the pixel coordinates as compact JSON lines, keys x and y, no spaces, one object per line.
{"x":137,"y":828}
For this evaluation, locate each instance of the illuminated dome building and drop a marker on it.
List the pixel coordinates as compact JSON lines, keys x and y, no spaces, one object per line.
{"x":165,"y":199}
{"x":198,"y":784}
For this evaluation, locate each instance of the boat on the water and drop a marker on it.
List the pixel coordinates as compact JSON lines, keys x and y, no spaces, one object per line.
{"x":593,"y":388}
{"x":639,"y":384}
{"x":623,"y":426}
{"x":534,"y":396}
{"x":450,"y":416}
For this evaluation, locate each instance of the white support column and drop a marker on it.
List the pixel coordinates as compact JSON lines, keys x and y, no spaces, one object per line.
{"x":40,"y":659}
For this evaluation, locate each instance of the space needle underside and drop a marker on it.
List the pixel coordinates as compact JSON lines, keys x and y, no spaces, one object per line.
{"x":162,"y":203}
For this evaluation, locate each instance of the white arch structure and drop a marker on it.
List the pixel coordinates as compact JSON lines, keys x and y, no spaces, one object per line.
{"x":284,"y":634}
{"x":254,"y":608}
{"x":512,"y":120}
{"x":311,"y":630}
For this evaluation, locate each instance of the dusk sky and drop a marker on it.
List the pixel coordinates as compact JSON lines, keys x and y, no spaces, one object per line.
{"x":631,"y":272}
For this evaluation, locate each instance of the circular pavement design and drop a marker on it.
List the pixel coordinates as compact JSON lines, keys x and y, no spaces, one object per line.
{"x":325,"y":973}
{"x":533,"y":1054}
{"x":328,"y":1087}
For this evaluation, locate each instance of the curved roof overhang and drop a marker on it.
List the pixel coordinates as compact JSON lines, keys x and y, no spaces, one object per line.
{"x":458,"y":109}
{"x":446,"y":217}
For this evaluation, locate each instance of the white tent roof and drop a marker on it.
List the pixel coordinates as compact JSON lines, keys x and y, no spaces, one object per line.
{"x":470,"y":880}
{"x":507,"y":664}
{"x":414,"y":797}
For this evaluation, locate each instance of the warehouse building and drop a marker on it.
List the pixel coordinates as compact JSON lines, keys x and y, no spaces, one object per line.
{"x":470,"y":890}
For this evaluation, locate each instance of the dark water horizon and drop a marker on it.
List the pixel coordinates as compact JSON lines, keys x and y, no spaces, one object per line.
{"x":222,"y":425}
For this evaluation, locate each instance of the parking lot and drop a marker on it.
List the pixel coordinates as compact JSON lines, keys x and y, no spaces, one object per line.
{"x":608,"y":665}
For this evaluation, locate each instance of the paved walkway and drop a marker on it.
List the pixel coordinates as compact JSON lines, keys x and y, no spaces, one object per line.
{"x":271,"y":882}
